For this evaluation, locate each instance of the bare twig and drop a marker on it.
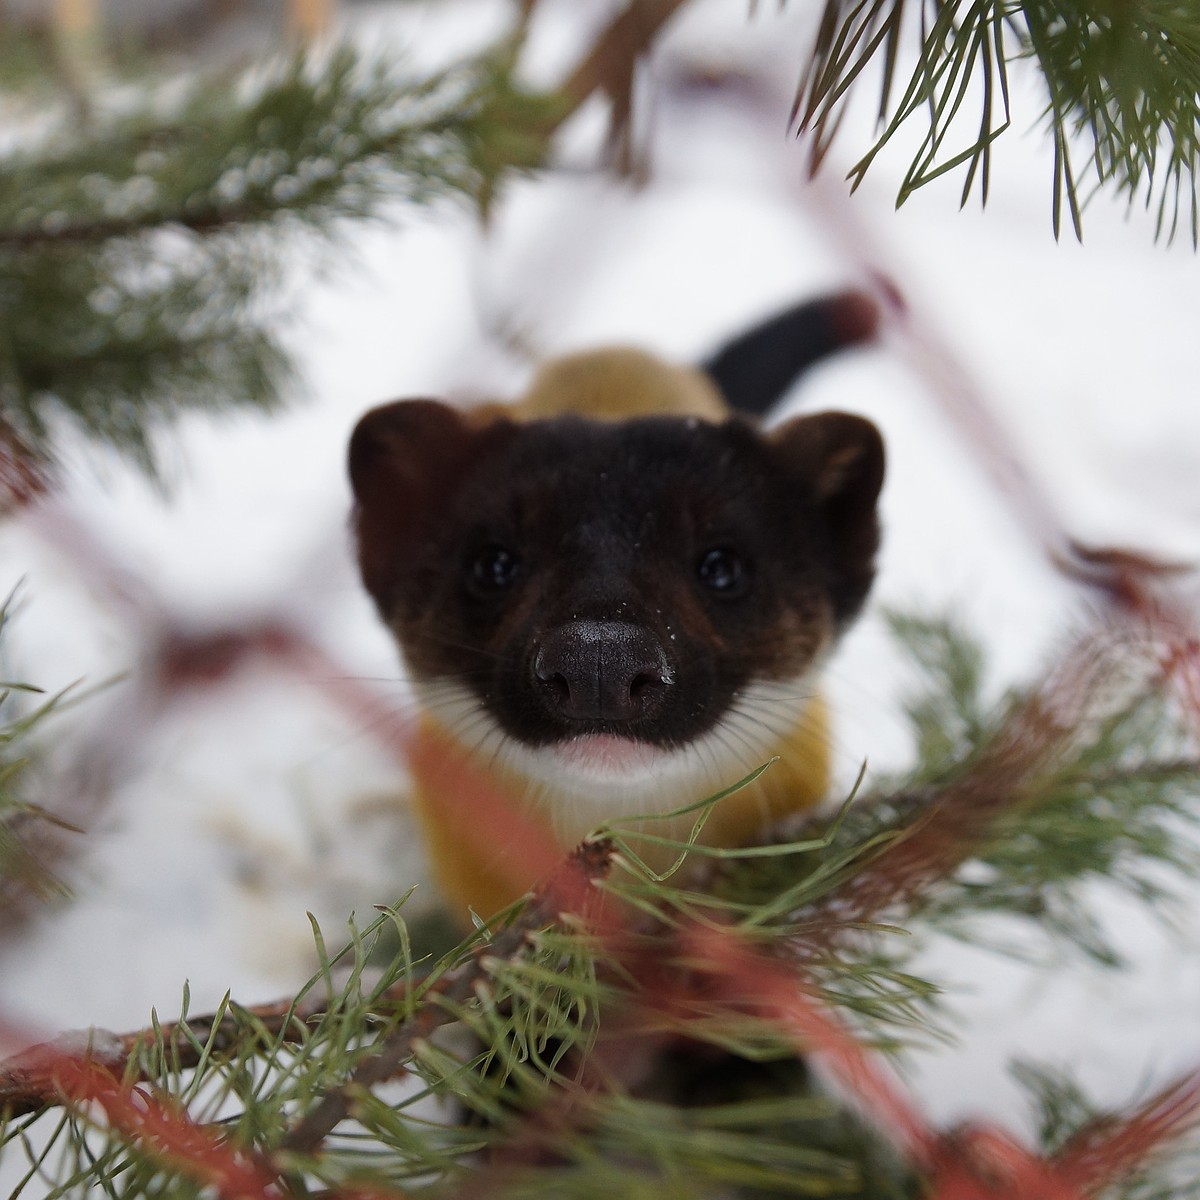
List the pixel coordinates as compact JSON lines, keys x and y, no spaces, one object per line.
{"x":608,"y":65}
{"x":27,"y":1082}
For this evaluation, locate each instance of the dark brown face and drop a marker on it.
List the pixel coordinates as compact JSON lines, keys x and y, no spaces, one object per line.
{"x":624,"y":579}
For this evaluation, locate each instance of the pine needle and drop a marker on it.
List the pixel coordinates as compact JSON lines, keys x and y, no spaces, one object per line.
{"x":1122,"y":84}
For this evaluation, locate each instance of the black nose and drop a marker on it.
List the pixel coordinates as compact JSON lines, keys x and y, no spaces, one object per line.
{"x":602,"y":671}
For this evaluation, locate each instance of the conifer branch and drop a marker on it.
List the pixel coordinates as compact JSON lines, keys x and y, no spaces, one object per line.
{"x":1122,"y":84}
{"x":439,"y":1003}
{"x":422,"y":1005}
{"x":139,"y":258}
{"x":959,"y":818}
{"x":22,"y":873}
{"x":575,"y":1021}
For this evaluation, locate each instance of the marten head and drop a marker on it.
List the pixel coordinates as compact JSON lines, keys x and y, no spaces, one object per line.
{"x":594,"y":591}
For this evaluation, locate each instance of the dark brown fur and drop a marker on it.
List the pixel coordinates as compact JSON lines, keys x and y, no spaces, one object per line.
{"x":605,"y":529}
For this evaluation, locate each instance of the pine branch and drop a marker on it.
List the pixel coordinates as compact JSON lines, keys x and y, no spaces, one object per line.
{"x":1077,"y":1133}
{"x":22,"y":874}
{"x":1122,"y":78}
{"x":316,"y":141}
{"x":1089,"y":776}
{"x":139,"y":257}
{"x":440,"y":1002}
{"x":568,"y":1084}
{"x":28,"y":1083}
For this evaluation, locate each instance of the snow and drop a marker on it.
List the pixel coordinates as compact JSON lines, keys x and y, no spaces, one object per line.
{"x":254,"y":800}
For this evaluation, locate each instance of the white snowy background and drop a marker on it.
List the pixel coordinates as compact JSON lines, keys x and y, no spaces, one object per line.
{"x":245,"y":804}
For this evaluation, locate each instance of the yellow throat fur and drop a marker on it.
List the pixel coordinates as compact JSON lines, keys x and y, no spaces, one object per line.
{"x":484,"y":878}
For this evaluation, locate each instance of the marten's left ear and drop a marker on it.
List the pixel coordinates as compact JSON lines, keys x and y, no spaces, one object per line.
{"x":837,"y":461}
{"x":839,"y":456}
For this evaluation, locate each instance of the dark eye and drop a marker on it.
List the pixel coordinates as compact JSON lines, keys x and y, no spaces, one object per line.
{"x":723,"y":571}
{"x":492,"y":570}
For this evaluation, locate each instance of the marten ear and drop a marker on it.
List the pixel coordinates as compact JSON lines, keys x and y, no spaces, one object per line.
{"x":406,"y":461}
{"x":838,"y":462}
{"x":394,"y":447}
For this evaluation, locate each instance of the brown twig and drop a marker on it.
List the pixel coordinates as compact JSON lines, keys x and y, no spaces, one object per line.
{"x":608,"y":66}
{"x":201,"y":221}
{"x":26,"y":1088}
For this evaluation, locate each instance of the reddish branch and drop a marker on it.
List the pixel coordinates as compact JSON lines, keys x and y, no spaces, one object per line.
{"x":144,"y":1116}
{"x":967,"y":1164}
{"x":704,"y":967}
{"x":694,"y":969}
{"x":51,"y":1074}
{"x":960,"y":820}
{"x":744,"y":980}
{"x":29,"y":1081}
{"x":22,"y":473}
{"x":1117,"y":1145}
{"x":971,"y":1163}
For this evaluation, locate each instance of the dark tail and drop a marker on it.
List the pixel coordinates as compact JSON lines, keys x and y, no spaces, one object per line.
{"x":755,"y":370}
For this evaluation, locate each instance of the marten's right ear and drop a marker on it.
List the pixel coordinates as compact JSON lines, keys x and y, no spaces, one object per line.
{"x":406,"y":461}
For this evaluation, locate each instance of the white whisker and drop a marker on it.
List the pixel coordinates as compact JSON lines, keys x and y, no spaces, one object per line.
{"x":581,"y":783}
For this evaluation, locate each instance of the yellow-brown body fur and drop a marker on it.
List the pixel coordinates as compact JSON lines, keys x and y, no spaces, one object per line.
{"x":608,"y":385}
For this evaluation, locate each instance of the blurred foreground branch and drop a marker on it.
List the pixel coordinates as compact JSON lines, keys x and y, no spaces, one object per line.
{"x":571,"y":1020}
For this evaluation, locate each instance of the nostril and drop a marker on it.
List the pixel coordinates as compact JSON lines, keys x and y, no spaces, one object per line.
{"x":559,"y":676}
{"x":645,"y":684}
{"x":558,"y":687}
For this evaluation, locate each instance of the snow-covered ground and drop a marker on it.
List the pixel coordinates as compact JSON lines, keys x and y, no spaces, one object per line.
{"x":254,"y":800}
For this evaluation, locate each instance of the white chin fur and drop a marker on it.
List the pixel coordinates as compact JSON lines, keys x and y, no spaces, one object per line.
{"x":601,"y":758}
{"x":587,"y":780}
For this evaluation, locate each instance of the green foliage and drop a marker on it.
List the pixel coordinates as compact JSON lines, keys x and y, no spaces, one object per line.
{"x":1114,"y":801}
{"x":142,"y":253}
{"x":19,"y":865}
{"x":1122,"y":84}
{"x":540,"y":1058}
{"x":1062,"y":1108}
{"x":1109,"y":801}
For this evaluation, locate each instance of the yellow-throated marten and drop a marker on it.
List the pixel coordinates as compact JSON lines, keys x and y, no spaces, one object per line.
{"x":613,"y":596}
